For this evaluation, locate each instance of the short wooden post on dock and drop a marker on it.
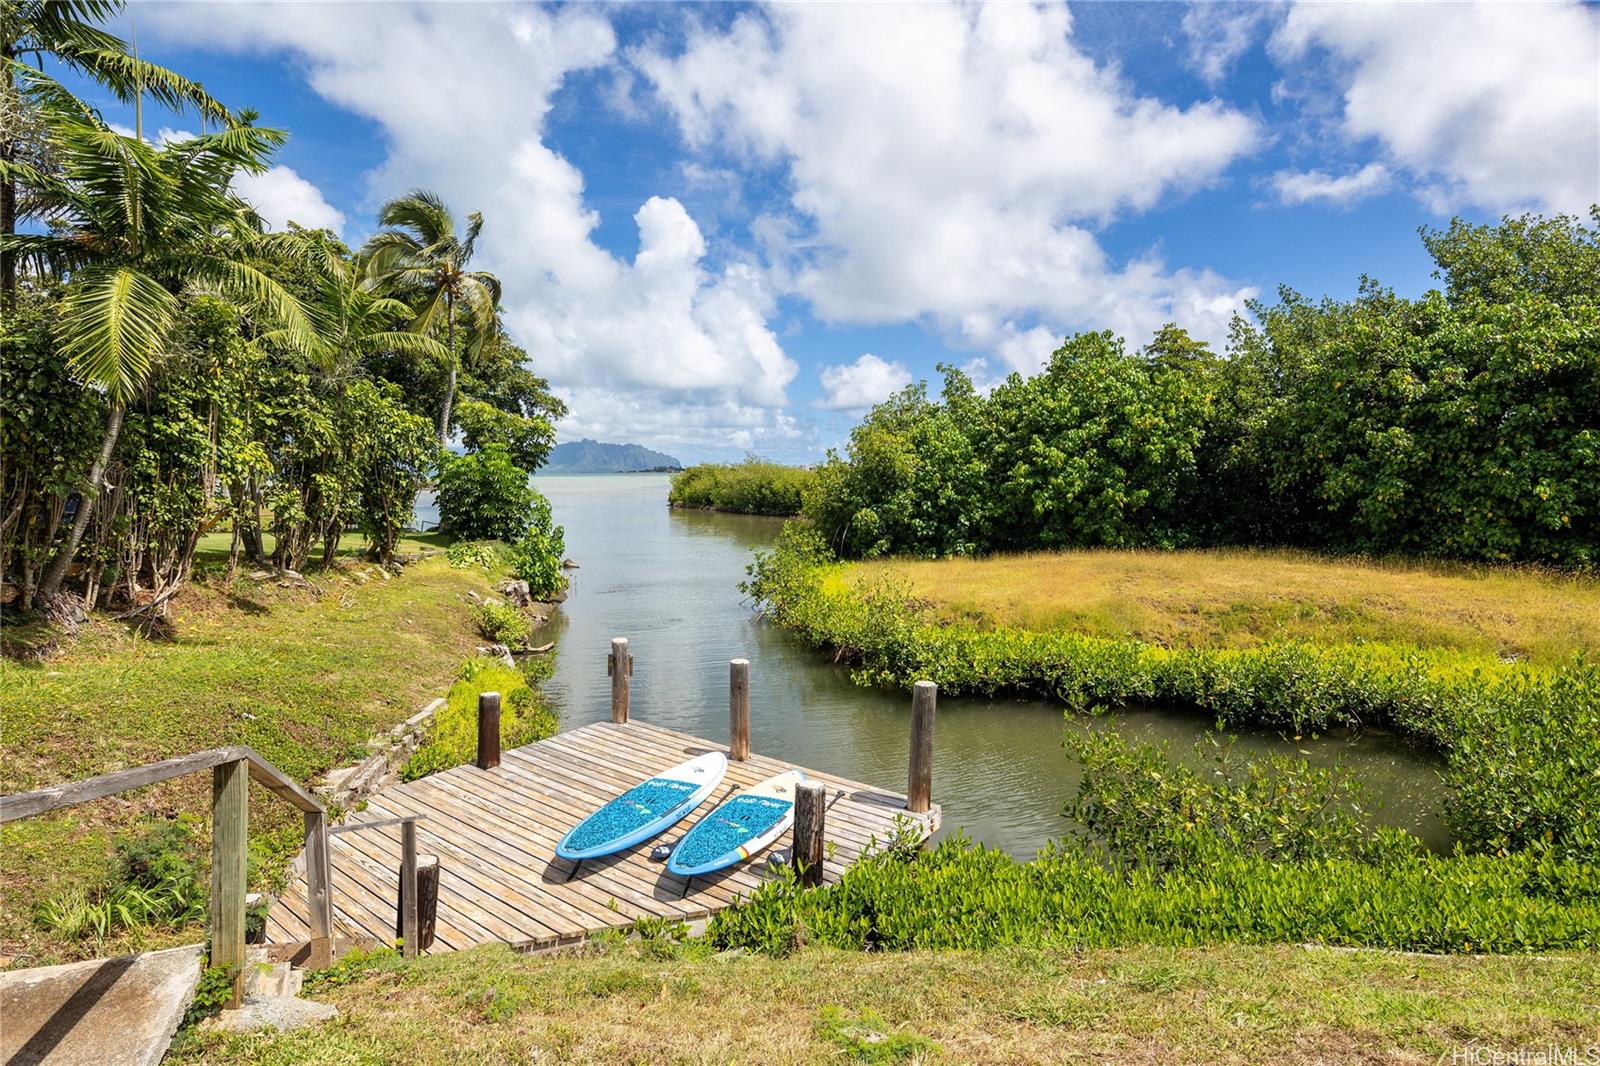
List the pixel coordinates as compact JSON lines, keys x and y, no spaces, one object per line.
{"x":319,"y":899}
{"x":488,"y":730}
{"x":230,"y":798}
{"x":810,"y":809}
{"x":620,"y":666}
{"x":427,"y":899}
{"x":919,"y":789}
{"x":410,"y":927}
{"x":739,"y":709}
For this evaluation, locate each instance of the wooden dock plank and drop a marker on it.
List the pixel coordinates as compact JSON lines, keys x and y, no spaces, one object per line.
{"x":495,"y":832}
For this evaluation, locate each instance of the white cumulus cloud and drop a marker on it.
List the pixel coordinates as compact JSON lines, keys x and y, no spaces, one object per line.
{"x":281,"y":196}
{"x":859,"y":385}
{"x":951,"y":162}
{"x":1488,"y":104}
{"x":1296,"y":187}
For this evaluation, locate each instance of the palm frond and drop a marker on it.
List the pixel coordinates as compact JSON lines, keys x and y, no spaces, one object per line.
{"x":405,"y":343}
{"x":422,"y":212}
{"x":113,"y":323}
{"x":261,"y":293}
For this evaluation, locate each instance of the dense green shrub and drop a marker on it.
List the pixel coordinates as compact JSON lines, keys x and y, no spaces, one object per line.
{"x":536,"y":556}
{"x":502,"y":623}
{"x":753,"y":486}
{"x":966,"y":896}
{"x":156,"y":882}
{"x":452,"y":735}
{"x":484,"y":495}
{"x":1463,"y":424}
{"x":487,"y":555}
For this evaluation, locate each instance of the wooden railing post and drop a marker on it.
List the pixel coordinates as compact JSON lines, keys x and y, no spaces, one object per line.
{"x":410,"y":927}
{"x":620,"y":666}
{"x":919,"y":789}
{"x":810,"y":810}
{"x":230,"y":797}
{"x":739,"y":709}
{"x":319,"y":894}
{"x":488,"y":730}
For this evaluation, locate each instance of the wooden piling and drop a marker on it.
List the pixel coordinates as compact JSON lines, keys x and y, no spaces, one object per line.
{"x":410,"y":928}
{"x":427,"y":899}
{"x":810,"y":810}
{"x":919,"y":788}
{"x":739,"y":709}
{"x":319,"y":900}
{"x":620,"y":667}
{"x":230,"y":797}
{"x":488,"y":730}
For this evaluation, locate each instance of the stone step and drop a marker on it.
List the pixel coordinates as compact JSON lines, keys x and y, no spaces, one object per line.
{"x":102,"y":1011}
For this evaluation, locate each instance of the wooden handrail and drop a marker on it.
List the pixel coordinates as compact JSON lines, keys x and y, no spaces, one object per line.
{"x":230,"y":767}
{"x":70,"y":794}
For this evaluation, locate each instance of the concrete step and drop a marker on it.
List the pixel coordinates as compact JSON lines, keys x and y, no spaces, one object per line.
{"x":101,"y":1011}
{"x":265,"y":978}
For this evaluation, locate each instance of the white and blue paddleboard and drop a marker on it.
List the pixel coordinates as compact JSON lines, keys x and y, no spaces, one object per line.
{"x":645,"y":809}
{"x":749,"y":821}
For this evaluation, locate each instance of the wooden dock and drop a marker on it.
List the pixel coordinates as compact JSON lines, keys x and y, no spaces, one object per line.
{"x":494,"y":833}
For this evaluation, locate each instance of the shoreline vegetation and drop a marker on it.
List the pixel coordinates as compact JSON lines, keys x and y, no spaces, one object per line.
{"x":751,"y":486}
{"x":1521,"y":741}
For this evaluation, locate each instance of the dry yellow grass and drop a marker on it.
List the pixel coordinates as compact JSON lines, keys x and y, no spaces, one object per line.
{"x":1239,"y":598}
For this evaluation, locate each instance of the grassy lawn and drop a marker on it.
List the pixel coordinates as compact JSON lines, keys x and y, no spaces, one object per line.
{"x":1214,"y":1005}
{"x":305,"y":676}
{"x":1243,"y":598}
{"x":214,"y":547}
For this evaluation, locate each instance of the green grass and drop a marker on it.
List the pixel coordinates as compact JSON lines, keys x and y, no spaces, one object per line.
{"x":1240,"y":598}
{"x":1214,"y":1005}
{"x":304,"y":676}
{"x":213,"y":547}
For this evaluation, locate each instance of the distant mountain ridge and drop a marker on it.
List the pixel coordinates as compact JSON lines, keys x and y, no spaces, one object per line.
{"x":596,"y":457}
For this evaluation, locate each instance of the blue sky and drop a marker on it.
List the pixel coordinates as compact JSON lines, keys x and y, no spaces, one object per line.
{"x":726,"y":228}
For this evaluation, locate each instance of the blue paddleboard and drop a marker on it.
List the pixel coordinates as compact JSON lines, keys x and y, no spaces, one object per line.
{"x":645,"y":809}
{"x":749,"y":821}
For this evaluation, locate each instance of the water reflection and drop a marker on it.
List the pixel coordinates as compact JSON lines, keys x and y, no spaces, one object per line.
{"x":669,"y":582}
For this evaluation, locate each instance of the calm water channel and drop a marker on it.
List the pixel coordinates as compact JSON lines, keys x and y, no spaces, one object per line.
{"x":668,"y":580}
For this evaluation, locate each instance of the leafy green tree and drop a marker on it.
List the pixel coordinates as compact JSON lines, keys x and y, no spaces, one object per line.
{"x":423,"y":259}
{"x":65,"y":31}
{"x":1097,"y":449}
{"x":536,"y":555}
{"x":484,"y":495}
{"x":131,"y":224}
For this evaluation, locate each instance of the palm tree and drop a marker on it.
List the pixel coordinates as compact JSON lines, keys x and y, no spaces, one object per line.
{"x":64,"y":30}
{"x":130,"y":226}
{"x":422,"y":258}
{"x":353,"y":320}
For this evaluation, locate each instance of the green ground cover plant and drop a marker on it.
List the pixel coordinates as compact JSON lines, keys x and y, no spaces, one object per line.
{"x":452,"y":735}
{"x":753,"y":486}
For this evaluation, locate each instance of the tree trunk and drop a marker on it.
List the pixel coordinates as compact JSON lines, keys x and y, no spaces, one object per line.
{"x":450,"y":386}
{"x":88,"y":494}
{"x":8,"y":205}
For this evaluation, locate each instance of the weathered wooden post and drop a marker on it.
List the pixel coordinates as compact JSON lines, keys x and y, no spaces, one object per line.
{"x":810,"y":810}
{"x":427,"y":900}
{"x":620,"y":666}
{"x":739,"y":709}
{"x":410,"y":928}
{"x":319,"y":897}
{"x":427,"y":910}
{"x":919,"y":789}
{"x":230,"y":799}
{"x":488,"y":730}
